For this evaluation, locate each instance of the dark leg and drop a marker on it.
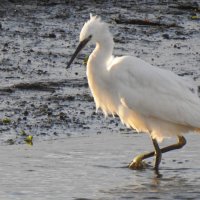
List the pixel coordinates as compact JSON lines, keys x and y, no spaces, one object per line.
{"x":137,"y":162}
{"x":158,"y":154}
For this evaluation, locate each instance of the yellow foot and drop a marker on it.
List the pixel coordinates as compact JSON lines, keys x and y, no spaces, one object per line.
{"x":138,"y":163}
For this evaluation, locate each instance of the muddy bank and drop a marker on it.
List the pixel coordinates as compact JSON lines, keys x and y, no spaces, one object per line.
{"x":39,"y":96}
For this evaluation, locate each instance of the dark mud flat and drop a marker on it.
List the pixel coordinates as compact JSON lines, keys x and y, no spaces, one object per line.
{"x":39,"y":97}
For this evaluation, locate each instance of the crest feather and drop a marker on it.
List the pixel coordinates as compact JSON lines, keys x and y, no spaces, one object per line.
{"x":94,"y":17}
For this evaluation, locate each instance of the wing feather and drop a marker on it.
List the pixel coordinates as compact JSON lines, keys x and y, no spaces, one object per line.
{"x":155,"y":92}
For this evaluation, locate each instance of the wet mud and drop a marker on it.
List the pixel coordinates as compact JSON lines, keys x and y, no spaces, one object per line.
{"x":42,"y":98}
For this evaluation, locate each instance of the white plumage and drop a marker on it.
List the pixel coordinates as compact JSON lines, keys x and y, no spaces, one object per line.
{"x":146,"y":98}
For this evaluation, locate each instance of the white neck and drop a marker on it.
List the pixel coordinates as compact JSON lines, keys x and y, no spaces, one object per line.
{"x":98,"y":60}
{"x":97,"y":72}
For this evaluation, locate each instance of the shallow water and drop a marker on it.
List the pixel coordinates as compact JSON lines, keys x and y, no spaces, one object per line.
{"x":95,"y":167}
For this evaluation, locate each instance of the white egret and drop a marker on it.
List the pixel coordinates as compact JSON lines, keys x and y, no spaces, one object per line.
{"x":146,"y":98}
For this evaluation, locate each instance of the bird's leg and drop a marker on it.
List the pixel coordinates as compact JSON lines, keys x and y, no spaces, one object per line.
{"x":158,"y":154}
{"x":138,"y":163}
{"x":179,"y":145}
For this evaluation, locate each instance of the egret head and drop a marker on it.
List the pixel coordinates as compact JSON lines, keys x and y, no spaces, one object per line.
{"x":93,"y":30}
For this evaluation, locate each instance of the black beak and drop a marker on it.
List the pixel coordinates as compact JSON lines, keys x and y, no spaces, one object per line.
{"x":78,"y":49}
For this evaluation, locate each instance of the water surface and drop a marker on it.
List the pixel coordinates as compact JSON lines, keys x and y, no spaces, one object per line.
{"x":95,"y":167}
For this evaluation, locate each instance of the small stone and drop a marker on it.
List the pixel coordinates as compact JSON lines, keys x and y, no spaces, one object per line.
{"x":52,"y":35}
{"x":10,"y":141}
{"x":165,"y":36}
{"x":26,"y":113}
{"x":62,"y":116}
